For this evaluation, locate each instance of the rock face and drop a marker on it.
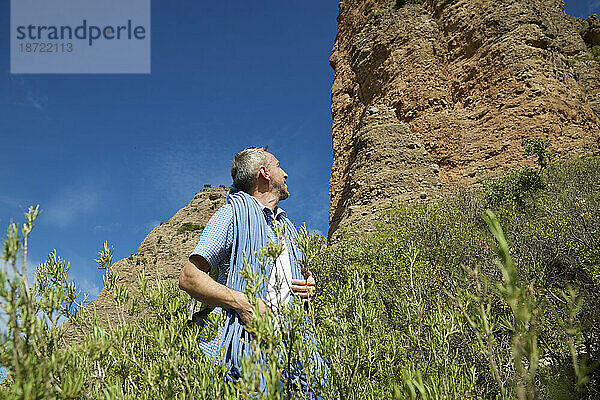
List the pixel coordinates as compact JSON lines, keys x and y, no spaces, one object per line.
{"x":590,"y":31}
{"x":433,"y":95}
{"x":163,"y":252}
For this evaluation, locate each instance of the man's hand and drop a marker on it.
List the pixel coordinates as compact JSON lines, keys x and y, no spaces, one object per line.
{"x":304,"y":288}
{"x":246,"y":311}
{"x":195,"y":280}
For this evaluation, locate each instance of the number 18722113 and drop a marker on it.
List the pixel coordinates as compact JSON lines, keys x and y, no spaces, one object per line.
{"x":33,"y":47}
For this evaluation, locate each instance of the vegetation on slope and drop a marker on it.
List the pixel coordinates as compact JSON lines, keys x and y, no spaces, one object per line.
{"x":448,"y":300}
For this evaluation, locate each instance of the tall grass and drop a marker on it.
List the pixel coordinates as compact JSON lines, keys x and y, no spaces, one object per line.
{"x":447,"y":301}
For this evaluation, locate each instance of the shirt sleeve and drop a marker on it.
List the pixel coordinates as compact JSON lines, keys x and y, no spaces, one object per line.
{"x":217,"y":237}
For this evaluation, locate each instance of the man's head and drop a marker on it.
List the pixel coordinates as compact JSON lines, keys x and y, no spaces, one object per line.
{"x":256,"y":169}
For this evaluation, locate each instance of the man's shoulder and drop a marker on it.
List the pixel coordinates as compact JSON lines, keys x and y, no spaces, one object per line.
{"x":225,"y":209}
{"x":224,"y":214}
{"x":216,"y":239}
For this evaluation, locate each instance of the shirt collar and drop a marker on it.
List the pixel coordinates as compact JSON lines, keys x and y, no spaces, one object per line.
{"x":273,"y":214}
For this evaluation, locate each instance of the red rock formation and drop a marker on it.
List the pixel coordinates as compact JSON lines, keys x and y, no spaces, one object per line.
{"x":441,"y":93}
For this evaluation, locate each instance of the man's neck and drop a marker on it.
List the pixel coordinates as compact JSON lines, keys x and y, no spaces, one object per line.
{"x":267,"y":199}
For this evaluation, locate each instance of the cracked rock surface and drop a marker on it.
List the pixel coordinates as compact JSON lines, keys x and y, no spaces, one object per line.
{"x":431,"y":96}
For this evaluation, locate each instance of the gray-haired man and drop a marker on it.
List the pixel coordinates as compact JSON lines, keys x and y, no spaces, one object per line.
{"x":259,"y":183}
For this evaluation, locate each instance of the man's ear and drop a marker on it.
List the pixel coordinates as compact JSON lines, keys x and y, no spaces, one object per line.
{"x":264,"y":172}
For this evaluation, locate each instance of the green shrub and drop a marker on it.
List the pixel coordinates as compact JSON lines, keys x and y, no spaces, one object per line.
{"x":437,"y":303}
{"x":538,"y":148}
{"x":425,"y":261}
{"x":513,"y":189}
{"x":188,"y":227}
{"x":596,"y":52}
{"x":519,"y":184}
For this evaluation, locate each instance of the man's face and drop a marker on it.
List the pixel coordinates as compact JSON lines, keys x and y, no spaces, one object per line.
{"x":278,"y":177}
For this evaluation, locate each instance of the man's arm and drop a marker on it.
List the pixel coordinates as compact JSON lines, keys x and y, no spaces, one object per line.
{"x":195,"y":280}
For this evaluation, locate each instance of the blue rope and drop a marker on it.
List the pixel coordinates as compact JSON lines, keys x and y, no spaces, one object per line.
{"x":250,"y":234}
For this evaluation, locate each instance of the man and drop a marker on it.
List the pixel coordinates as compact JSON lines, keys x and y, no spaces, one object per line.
{"x":238,"y":229}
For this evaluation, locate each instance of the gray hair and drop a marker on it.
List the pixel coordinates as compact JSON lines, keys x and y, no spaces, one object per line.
{"x":245,"y":166}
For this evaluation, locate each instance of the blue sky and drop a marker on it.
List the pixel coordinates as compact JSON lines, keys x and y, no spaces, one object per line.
{"x":108,"y":157}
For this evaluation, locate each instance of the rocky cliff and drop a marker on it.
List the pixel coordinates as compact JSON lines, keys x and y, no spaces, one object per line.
{"x":163,"y":252}
{"x":430,"y":95}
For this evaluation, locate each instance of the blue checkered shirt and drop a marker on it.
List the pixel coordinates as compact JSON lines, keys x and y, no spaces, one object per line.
{"x":215,"y":246}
